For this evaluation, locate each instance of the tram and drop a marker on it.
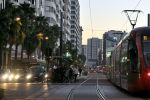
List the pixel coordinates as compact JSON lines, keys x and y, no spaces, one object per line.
{"x":130,"y":61}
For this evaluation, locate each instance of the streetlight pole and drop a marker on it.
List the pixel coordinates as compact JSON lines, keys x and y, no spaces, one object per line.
{"x":48,"y":53}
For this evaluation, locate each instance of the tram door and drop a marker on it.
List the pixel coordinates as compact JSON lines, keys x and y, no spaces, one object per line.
{"x":133,"y":63}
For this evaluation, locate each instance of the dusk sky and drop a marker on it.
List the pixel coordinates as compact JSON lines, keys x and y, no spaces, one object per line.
{"x":107,"y":15}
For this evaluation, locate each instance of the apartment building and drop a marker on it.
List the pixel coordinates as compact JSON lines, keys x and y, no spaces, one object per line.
{"x":76,"y":30}
{"x":94,"y":45}
{"x":110,"y":40}
{"x":2,"y":4}
{"x":64,"y":13}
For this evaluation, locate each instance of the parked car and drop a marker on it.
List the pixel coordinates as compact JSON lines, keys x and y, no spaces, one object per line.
{"x":36,"y":73}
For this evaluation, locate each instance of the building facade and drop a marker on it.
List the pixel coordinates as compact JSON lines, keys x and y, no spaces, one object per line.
{"x":76,"y":30}
{"x":52,"y":10}
{"x":2,"y":4}
{"x":84,"y":51}
{"x":93,"y":48}
{"x":110,"y":40}
{"x":61,"y":13}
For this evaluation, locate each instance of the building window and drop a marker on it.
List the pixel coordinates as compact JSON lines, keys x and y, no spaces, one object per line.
{"x":72,"y":41}
{"x":73,"y":7}
{"x":72,"y":31}
{"x":72,"y":22}
{"x":72,"y":12}
{"x":32,"y":1}
{"x":16,"y":0}
{"x":47,"y":8}
{"x":72,"y":36}
{"x":72,"y":26}
{"x":73,"y":2}
{"x":72,"y":17}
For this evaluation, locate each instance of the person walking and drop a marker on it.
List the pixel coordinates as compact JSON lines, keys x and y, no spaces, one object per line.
{"x":75,"y":71}
{"x":80,"y":71}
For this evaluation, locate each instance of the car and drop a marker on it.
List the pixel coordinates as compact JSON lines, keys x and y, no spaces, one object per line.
{"x":18,"y":75}
{"x":36,"y":73}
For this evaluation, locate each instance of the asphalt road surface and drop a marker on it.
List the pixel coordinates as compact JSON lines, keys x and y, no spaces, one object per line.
{"x":95,"y":86}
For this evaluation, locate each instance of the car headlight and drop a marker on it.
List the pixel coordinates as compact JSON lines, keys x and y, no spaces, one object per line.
{"x":46,"y":75}
{"x":28,"y":76}
{"x":10,"y":77}
{"x":5,"y":76}
{"x":17,"y":77}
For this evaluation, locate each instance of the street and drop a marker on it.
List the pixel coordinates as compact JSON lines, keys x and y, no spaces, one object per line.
{"x":93,"y":87}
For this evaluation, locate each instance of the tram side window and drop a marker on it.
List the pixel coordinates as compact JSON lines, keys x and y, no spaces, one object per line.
{"x":124,"y":57}
{"x":133,"y":56}
{"x":117,"y":60}
{"x":146,"y":49}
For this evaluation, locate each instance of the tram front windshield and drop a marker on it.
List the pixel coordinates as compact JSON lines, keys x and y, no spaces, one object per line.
{"x":146,"y":49}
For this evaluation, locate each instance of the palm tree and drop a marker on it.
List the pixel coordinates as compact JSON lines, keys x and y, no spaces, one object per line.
{"x":52,"y":32}
{"x":4,"y":32}
{"x":27,"y":19}
{"x":7,"y":27}
{"x":33,"y":41}
{"x":15,"y":31}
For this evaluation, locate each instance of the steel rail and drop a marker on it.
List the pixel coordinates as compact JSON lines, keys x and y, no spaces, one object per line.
{"x":69,"y":97}
{"x":99,"y":92}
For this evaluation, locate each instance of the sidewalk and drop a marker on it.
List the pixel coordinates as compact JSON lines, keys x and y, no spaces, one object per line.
{"x":82,"y":77}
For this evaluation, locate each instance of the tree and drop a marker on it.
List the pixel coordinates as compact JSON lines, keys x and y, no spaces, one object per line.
{"x":10,"y":27}
{"x":27,"y":20}
{"x":82,"y":58}
{"x":4,"y":32}
{"x":68,"y":48}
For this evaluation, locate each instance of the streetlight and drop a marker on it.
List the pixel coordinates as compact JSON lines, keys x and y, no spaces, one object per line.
{"x":40,"y":35}
{"x":17,"y":18}
{"x":46,"y":38}
{"x":47,"y":49}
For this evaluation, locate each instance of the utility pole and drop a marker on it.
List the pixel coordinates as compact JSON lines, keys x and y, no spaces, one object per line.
{"x":132,"y":21}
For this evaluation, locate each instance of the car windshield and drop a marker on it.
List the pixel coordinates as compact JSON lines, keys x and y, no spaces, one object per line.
{"x":36,"y":69}
{"x":146,"y":49}
{"x":4,"y":71}
{"x":18,"y":71}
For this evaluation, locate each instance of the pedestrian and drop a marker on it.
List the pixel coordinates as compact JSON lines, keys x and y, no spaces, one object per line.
{"x":75,"y":71}
{"x":80,"y":71}
{"x":69,"y":74}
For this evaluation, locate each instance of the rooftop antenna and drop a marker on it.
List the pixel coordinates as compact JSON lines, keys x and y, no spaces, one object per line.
{"x":132,"y":20}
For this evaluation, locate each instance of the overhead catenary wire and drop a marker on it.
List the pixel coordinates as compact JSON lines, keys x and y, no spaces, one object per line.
{"x":91,"y":16}
{"x":137,"y":4}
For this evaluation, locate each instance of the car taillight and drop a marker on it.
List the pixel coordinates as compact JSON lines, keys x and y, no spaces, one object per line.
{"x":148,"y":74}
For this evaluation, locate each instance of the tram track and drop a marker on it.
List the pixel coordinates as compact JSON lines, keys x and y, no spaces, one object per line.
{"x":99,"y":91}
{"x":69,"y":97}
{"x":94,"y":87}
